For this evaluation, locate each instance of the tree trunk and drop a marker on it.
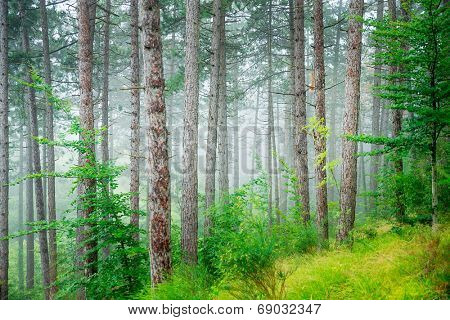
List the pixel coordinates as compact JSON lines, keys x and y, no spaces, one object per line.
{"x":257,"y":138}
{"x":135,"y":116}
{"x":40,"y":213}
{"x":334,"y":92}
{"x":105,"y":103}
{"x":236,"y":134}
{"x":157,"y":137}
{"x":105,"y":89}
{"x":21,"y":224}
{"x":320,"y":141}
{"x":189,"y":204}
{"x":4,"y":151}
{"x":376,"y":107}
{"x":50,"y":151}
{"x":397,"y":116}
{"x":350,"y":127}
{"x":29,"y":208}
{"x":269,"y":119}
{"x":86,"y":188}
{"x":287,"y":153}
{"x":276,"y":168}
{"x":222,"y":115}
{"x":211,"y":144}
{"x":300,"y":137}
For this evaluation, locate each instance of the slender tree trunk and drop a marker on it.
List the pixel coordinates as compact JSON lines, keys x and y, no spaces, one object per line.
{"x":376,"y":107}
{"x":105,"y":90}
{"x":236,"y":135}
{"x":49,"y":155}
{"x":222,"y":115}
{"x":397,"y":116}
{"x":105,"y":101}
{"x":40,"y":213}
{"x":269,"y":119}
{"x":29,"y":208}
{"x":350,"y":127}
{"x":189,"y":204}
{"x":276,"y":180}
{"x":86,"y":188}
{"x":157,"y":137}
{"x":300,"y":137}
{"x":334,"y":97}
{"x":211,"y":144}
{"x":21,"y":224}
{"x":135,"y":116}
{"x":287,"y":151}
{"x":320,"y":142}
{"x":4,"y":151}
{"x":257,"y":138}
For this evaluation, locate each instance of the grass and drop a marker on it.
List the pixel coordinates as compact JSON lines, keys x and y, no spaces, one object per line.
{"x":396,"y":263}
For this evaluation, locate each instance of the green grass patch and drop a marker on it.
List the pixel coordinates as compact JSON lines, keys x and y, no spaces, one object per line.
{"x":398,"y":263}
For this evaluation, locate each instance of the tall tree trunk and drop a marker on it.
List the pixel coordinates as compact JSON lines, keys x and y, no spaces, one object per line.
{"x":211,"y":144}
{"x":4,"y":152}
{"x":105,"y":101}
{"x":33,"y":123}
{"x":135,"y":116}
{"x":257,"y":138}
{"x":276,"y":171}
{"x":236,"y":133}
{"x":397,"y":117}
{"x":50,"y":151}
{"x":300,"y":137}
{"x":269,"y":119}
{"x":157,"y":137}
{"x":21,"y":224}
{"x":350,"y":127}
{"x":189,"y":204}
{"x":320,"y":142}
{"x":334,"y":97}
{"x":29,"y":208}
{"x":376,"y":108}
{"x":288,"y":111}
{"x":222,"y":115}
{"x":105,"y":89}
{"x":86,"y":188}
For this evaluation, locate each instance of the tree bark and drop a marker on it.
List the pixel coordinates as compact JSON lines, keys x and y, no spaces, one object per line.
{"x":397,"y":116}
{"x":336,"y":62}
{"x":269,"y":120}
{"x":350,"y":127}
{"x":40,"y":213}
{"x":276,"y":180}
{"x":288,"y":111}
{"x":320,"y":139}
{"x":4,"y":151}
{"x":236,"y":133}
{"x":211,"y":144}
{"x":50,"y":151}
{"x":86,"y":188}
{"x":189,"y":204}
{"x":257,"y":138}
{"x":376,"y":107}
{"x":222,"y":115}
{"x":29,"y":208}
{"x":300,"y":137}
{"x":21,"y":224}
{"x":105,"y":89}
{"x":157,"y":137}
{"x":135,"y":116}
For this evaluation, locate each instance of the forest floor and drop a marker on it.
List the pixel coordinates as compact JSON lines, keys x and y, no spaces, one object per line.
{"x":384,"y":263}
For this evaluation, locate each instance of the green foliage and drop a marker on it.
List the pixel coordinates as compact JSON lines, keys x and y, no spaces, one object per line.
{"x":121,"y":262}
